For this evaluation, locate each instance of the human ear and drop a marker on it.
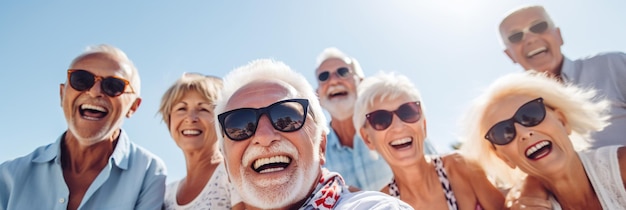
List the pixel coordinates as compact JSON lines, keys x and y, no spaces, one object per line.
{"x":133,"y":107}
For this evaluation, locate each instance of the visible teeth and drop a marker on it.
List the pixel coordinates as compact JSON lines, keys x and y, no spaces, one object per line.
{"x":275,"y":159}
{"x":536,"y":147}
{"x":191,"y":132}
{"x":536,"y":51}
{"x":400,"y":141}
{"x":93,"y":107}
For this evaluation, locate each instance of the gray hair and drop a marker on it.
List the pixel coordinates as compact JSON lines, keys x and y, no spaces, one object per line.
{"x":380,"y":87}
{"x":521,"y":9}
{"x":584,"y":113}
{"x":334,"y":53}
{"x":125,"y":62}
{"x":265,"y":69}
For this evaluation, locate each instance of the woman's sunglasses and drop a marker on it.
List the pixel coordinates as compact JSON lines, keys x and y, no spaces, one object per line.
{"x":286,"y":116}
{"x":82,"y":80}
{"x":381,"y":119}
{"x":538,"y":28}
{"x":342,"y":72}
{"x":528,"y":115}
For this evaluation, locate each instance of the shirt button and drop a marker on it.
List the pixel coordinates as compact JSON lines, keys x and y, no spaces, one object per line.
{"x":61,"y":200}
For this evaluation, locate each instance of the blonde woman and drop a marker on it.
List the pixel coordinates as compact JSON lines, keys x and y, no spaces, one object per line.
{"x":390,"y":116}
{"x":528,"y":123}
{"x":187,"y":109}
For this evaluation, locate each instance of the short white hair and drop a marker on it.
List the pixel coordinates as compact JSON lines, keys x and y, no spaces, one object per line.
{"x":125,"y":62}
{"x":264,"y":69}
{"x":381,"y":87}
{"x":585,"y":113}
{"x":334,"y":53}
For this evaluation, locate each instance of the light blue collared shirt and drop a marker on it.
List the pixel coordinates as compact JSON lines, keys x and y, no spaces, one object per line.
{"x":606,"y":73}
{"x":134,"y":178}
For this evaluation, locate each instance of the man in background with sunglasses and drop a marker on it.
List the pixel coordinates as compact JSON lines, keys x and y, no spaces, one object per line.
{"x":93,"y":165}
{"x":533,"y":41}
{"x":274,"y":139}
{"x":338,"y":76}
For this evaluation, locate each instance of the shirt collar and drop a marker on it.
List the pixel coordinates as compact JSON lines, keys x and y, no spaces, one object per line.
{"x":120,"y":155}
{"x":567,"y":69}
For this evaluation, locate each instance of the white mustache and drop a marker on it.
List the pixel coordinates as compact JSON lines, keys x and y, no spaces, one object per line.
{"x":253,"y":152}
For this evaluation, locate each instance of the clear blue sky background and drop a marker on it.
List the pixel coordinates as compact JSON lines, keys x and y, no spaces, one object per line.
{"x":449,"y":48}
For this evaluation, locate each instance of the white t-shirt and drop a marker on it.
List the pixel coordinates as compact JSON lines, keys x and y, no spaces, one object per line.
{"x":218,"y":193}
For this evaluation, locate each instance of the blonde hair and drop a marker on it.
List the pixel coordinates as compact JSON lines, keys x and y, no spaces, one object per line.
{"x":381,"y":87}
{"x":207,"y":86}
{"x":124,"y":61}
{"x":584,"y":113}
{"x":334,"y":53}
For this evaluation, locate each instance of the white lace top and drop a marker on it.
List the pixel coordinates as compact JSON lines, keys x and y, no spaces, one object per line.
{"x":602,"y":167}
{"x":218,"y":193}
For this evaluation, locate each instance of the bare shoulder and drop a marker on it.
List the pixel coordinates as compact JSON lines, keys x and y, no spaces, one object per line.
{"x":456,"y":163}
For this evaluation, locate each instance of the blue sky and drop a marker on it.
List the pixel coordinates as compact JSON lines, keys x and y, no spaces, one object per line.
{"x":449,"y":48}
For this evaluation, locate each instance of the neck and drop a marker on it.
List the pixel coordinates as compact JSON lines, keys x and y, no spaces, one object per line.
{"x":345,"y":131}
{"x":78,"y":158}
{"x":298,"y":204}
{"x":199,"y":163}
{"x":422,"y":172}
{"x":571,"y":187}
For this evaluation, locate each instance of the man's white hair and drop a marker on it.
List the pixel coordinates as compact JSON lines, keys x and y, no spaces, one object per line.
{"x":334,"y":53}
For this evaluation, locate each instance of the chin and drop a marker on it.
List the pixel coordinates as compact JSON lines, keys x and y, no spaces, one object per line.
{"x":341,"y":109}
{"x":277,"y":193}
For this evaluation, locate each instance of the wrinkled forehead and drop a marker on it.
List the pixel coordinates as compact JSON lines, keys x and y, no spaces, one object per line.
{"x":260,"y":93}
{"x":523,"y":18}
{"x":503,"y":108}
{"x":331,"y":65}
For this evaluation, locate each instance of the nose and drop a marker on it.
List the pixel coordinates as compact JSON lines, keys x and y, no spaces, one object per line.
{"x":265,"y":133}
{"x":192,"y":116}
{"x":523,"y":132}
{"x":396,"y":123}
{"x":96,"y":89}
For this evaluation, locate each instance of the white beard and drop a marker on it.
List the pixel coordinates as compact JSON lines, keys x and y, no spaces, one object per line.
{"x":276,"y":193}
{"x":340,"y":108}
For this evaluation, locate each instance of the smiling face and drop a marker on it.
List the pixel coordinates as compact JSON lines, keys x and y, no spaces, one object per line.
{"x":337,"y":94}
{"x":272,"y":169}
{"x":539,"y":150}
{"x":538,"y":51}
{"x":402,"y":143}
{"x":192,"y":122}
{"x":91,"y":115}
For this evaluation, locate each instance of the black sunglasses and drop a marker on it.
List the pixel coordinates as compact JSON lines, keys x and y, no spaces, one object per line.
{"x":82,"y":80}
{"x":538,"y":28}
{"x":528,"y":115}
{"x":343,"y":72}
{"x":286,"y":116}
{"x":407,"y":112}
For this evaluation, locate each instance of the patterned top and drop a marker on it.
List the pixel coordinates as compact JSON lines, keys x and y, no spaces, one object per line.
{"x":443,"y":178}
{"x":218,"y":193}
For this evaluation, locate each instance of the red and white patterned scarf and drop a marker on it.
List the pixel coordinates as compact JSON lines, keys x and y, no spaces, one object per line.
{"x":327,"y":192}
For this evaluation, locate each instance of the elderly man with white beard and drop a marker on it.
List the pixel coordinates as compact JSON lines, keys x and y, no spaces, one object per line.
{"x":273,"y":139}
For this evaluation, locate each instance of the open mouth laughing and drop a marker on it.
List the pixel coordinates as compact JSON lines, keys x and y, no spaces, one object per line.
{"x":191,"y":132}
{"x":92,"y":112}
{"x":271,"y":164}
{"x":401,"y":143}
{"x":539,"y":150}
{"x":537,"y":51}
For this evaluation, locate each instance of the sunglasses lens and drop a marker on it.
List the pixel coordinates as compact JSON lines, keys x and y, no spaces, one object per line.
{"x":539,"y":27}
{"x":531,"y":114}
{"x":343,"y":71}
{"x":240,"y":124}
{"x":502,"y":133}
{"x":409,"y":112}
{"x":113,"y":86}
{"x":81,"y":80}
{"x":516,"y":37}
{"x":380,"y":119}
{"x":287,"y":116}
{"x":323,"y":76}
